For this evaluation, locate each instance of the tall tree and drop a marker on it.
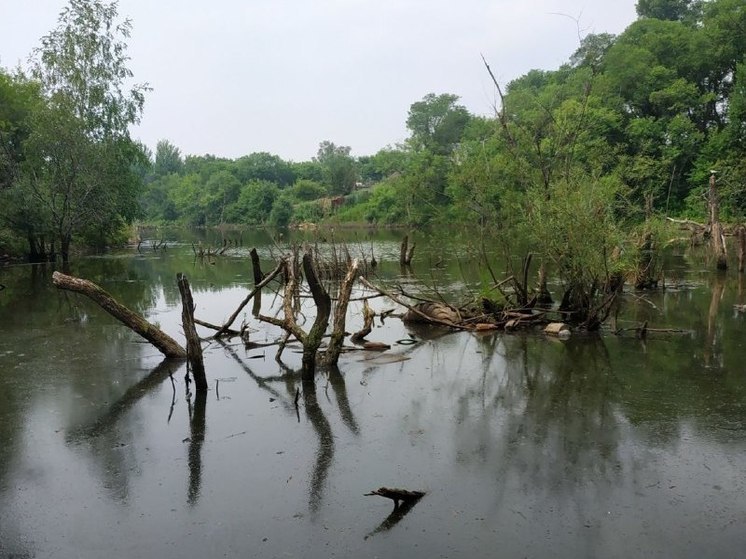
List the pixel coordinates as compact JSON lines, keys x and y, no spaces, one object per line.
{"x":79,"y":169}
{"x":437,"y":122}
{"x":167,"y":159}
{"x":338,"y":168}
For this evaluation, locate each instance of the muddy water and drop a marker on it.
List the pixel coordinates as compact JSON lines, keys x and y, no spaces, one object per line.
{"x":527,"y":447}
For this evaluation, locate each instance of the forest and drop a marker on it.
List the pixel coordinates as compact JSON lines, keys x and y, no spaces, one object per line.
{"x":626,"y":132}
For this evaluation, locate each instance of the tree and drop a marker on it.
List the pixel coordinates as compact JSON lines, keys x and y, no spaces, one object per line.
{"x":338,"y":168}
{"x":254,"y":204}
{"x":264,"y":166}
{"x":78,"y":172}
{"x":18,"y":97}
{"x":167,"y":159}
{"x":672,"y":10}
{"x":437,"y":122}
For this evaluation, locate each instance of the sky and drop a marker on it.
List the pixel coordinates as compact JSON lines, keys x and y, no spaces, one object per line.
{"x":233,"y":77}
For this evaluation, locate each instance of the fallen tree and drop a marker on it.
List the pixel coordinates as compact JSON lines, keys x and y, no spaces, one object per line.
{"x":165,"y":343}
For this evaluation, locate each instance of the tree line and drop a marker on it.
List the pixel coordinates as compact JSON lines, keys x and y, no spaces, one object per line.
{"x":630,"y":127}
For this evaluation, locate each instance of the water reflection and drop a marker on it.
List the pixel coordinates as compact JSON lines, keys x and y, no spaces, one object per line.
{"x":325,"y":450}
{"x":197,"y":424}
{"x":131,"y":397}
{"x":337,"y":382}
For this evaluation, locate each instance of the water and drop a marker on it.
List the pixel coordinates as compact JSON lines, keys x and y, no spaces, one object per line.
{"x":527,"y":446}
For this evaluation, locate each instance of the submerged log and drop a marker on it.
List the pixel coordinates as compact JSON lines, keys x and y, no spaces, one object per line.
{"x":426,"y":311}
{"x":557,"y":329}
{"x":413,"y":309}
{"x":165,"y":343}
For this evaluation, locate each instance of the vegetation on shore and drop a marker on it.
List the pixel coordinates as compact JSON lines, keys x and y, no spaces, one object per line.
{"x":578,"y":161}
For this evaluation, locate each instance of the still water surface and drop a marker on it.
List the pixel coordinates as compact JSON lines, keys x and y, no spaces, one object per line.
{"x":526,"y":446}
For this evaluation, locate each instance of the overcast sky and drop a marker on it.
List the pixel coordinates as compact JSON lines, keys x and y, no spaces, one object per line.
{"x":231,"y":77}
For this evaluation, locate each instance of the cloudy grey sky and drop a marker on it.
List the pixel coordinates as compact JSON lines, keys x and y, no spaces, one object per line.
{"x":231,"y":77}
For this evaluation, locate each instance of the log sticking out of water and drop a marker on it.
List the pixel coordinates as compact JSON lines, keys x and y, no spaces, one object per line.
{"x":165,"y":343}
{"x":340,"y":313}
{"x":406,"y":252}
{"x":194,"y":347}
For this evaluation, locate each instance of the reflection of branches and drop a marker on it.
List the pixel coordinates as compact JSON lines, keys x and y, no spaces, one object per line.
{"x":160,"y":373}
{"x":340,"y":392}
{"x":395,"y":517}
{"x":261,"y":383}
{"x":325,"y":453}
{"x":197,"y":428}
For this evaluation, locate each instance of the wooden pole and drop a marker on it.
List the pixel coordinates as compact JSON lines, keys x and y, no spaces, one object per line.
{"x":165,"y":343}
{"x":194,"y":347}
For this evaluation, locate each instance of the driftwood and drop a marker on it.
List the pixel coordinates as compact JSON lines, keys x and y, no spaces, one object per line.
{"x":557,"y":329}
{"x":426,"y":311}
{"x":165,"y":343}
{"x":414,"y":309}
{"x":397,"y":495}
{"x":194,"y":347}
{"x":368,"y":315}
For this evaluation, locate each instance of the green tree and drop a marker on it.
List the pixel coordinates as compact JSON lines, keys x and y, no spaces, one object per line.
{"x":79,"y":165}
{"x":305,"y":190}
{"x":673,"y":10}
{"x":254,"y":204}
{"x":167,"y":159}
{"x":264,"y":166}
{"x":338,"y":168}
{"x":282,"y":212}
{"x":437,"y":122}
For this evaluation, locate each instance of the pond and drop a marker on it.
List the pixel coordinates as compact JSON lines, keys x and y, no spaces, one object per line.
{"x":526,"y":446}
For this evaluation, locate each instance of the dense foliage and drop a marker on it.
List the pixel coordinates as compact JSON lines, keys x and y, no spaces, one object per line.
{"x":634,"y":122}
{"x":68,"y":164}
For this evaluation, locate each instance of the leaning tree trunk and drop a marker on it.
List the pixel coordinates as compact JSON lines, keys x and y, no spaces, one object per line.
{"x":165,"y":343}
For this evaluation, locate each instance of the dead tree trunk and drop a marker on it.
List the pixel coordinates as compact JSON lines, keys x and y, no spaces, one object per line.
{"x":311,"y":341}
{"x":741,"y":247}
{"x":323,"y":310}
{"x":256,"y":267}
{"x":717,"y":238}
{"x":406,"y":253}
{"x":340,"y":314}
{"x":194,"y":347}
{"x":165,"y":343}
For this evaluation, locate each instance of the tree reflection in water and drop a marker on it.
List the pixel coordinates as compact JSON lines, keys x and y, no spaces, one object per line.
{"x":197,"y":429}
{"x":325,"y":451}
